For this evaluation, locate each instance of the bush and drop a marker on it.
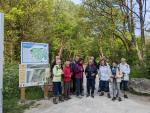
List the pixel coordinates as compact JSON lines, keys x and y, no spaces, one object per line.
{"x":11,"y":90}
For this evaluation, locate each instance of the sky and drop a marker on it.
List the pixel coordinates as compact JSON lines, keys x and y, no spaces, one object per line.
{"x":147,"y":15}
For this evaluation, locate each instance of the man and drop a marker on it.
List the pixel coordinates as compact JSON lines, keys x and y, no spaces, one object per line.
{"x":125,"y":68}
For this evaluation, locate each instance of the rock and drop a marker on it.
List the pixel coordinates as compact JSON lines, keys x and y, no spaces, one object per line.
{"x":140,"y":85}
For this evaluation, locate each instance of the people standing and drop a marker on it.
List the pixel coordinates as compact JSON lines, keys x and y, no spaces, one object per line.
{"x":104,"y":73}
{"x":57,"y":76}
{"x":116,"y":80}
{"x":125,"y":68}
{"x":90,"y":73}
{"x":79,"y":77}
{"x":67,"y":80}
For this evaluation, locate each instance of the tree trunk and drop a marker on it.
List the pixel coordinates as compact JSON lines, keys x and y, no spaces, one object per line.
{"x":142,"y":27}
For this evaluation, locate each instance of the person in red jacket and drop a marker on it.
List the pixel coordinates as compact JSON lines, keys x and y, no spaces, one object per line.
{"x":67,"y":79}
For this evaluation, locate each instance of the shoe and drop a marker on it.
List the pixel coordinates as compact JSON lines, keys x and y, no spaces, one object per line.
{"x":65,"y":98}
{"x":69,"y":97}
{"x":114,"y":98}
{"x":92,"y":95}
{"x":87,"y":95}
{"x":82,"y":94}
{"x":108,"y":95}
{"x":79,"y":97}
{"x":61,"y":99}
{"x":119,"y":99}
{"x":125,"y":96}
{"x":101,"y":94}
{"x":55,"y":100}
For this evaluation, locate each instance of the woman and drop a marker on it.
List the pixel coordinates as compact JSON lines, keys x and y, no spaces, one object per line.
{"x":67,"y":80}
{"x":57,"y":88}
{"x":116,"y":80}
{"x":90,"y":73}
{"x":79,"y":77}
{"x":104,"y":73}
{"x":125,"y":68}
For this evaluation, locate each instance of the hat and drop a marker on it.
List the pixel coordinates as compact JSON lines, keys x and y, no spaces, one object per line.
{"x":103,"y":58}
{"x":123,"y":59}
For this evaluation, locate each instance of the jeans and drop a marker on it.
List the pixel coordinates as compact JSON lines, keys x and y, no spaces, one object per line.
{"x":116,"y":88}
{"x":57,"y":88}
{"x":90,"y":86}
{"x":78,"y":86}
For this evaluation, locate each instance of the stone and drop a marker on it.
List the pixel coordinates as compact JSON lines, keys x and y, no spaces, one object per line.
{"x":140,"y":85}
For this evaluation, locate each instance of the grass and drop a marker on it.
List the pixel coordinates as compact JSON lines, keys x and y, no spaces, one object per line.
{"x":32,"y":93}
{"x":11,"y":106}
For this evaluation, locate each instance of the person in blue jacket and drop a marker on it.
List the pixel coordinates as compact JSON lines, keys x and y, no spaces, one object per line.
{"x":90,"y":72}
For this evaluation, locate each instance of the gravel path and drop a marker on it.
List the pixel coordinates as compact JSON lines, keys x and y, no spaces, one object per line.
{"x":135,"y":104}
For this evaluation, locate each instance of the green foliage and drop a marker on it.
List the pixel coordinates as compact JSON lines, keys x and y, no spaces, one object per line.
{"x":10,"y":80}
{"x":11,"y":106}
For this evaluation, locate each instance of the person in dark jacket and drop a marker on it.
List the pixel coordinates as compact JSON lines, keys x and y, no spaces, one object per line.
{"x":90,"y":72}
{"x":94,"y":63}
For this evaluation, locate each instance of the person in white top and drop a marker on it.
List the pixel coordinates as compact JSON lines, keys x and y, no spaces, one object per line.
{"x":104,"y":73}
{"x":125,"y":68}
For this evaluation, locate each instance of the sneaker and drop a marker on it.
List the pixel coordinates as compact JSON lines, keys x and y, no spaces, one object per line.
{"x":108,"y":95}
{"x":101,"y":94}
{"x":114,"y":98}
{"x":119,"y":99}
{"x":55,"y":100}
{"x":125,"y":96}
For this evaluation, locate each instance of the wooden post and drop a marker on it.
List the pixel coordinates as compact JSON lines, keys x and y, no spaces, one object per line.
{"x":22,"y":96}
{"x":46,"y":91}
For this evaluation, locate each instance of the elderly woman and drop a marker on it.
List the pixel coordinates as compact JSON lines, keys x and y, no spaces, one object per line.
{"x":125,"y":68}
{"x":116,"y":80}
{"x":57,"y":76}
{"x":104,"y":73}
{"x":79,"y":77}
{"x":67,"y":79}
{"x":90,"y":73}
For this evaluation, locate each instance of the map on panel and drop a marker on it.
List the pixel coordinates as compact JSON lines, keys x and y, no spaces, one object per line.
{"x":34,"y":53}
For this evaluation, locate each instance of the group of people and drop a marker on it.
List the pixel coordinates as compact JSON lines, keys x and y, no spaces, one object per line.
{"x":68,"y":78}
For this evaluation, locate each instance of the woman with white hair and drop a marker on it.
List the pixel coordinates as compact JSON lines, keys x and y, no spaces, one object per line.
{"x":125,"y":68}
{"x":57,"y":76}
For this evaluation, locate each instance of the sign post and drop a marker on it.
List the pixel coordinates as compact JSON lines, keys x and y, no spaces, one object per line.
{"x":34,"y":69}
{"x":1,"y":59}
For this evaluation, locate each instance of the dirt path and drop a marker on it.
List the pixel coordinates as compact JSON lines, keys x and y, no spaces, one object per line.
{"x":135,"y":104}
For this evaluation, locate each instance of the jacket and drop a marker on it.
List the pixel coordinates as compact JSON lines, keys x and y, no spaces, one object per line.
{"x":104,"y":73}
{"x":57,"y":72}
{"x":79,"y":71}
{"x":125,"y":68}
{"x":67,"y":74}
{"x":91,"y":71}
